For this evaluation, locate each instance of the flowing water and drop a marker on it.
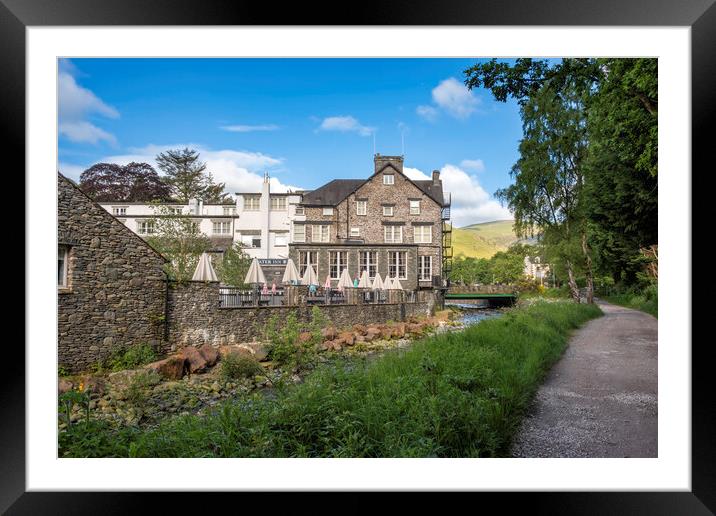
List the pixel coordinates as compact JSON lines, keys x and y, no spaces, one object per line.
{"x":470,"y":314}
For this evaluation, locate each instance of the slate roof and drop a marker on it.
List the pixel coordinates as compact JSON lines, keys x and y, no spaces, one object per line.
{"x":334,"y":192}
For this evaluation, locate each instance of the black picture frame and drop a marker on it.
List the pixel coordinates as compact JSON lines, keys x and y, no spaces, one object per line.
{"x":700,"y":15}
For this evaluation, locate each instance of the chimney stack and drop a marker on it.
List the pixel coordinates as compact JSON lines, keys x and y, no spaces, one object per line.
{"x":436,"y":177}
{"x":381,"y":161}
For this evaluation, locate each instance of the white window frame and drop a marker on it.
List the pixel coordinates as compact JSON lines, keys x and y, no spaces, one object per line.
{"x":398,"y":264}
{"x":327,"y":211}
{"x":419,"y":235}
{"x":319,"y":233}
{"x":229,"y":210}
{"x":221,"y":224}
{"x":300,"y":210}
{"x":337,"y":261}
{"x":63,"y":258}
{"x":280,"y":202}
{"x":361,"y":208}
{"x":305,"y":259}
{"x":252,"y":235}
{"x":388,"y":211}
{"x":145,"y":227}
{"x":119,"y":211}
{"x":249,"y":202}
{"x":299,"y":237}
{"x":355,"y":232}
{"x":369,"y":262}
{"x":422,"y":270}
{"x":388,"y":179}
{"x":415,"y":207}
{"x":280,"y":234}
{"x":392,"y":231}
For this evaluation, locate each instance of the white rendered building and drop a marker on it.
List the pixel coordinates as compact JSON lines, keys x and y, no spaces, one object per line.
{"x":262,"y":221}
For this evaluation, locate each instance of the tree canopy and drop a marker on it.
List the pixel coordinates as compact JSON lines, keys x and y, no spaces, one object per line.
{"x":135,"y":182}
{"x":188,"y":177}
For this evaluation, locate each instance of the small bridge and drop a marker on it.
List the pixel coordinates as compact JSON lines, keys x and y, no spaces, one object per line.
{"x":491,"y":295}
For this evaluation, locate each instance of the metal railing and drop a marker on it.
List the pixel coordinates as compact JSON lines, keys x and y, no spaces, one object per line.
{"x":234,"y":297}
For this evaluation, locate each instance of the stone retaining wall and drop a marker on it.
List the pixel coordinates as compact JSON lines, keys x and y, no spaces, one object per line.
{"x":195,"y":317}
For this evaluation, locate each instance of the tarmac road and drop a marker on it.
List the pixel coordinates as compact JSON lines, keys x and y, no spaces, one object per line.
{"x":600,"y":399}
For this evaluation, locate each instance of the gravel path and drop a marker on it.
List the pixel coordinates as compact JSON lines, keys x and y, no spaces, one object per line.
{"x":600,"y":399}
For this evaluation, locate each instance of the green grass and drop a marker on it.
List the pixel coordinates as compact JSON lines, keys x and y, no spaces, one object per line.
{"x":636,"y":301}
{"x":459,"y":394}
{"x":483,"y":240}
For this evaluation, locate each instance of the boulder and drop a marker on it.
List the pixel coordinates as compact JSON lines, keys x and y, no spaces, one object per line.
{"x":64,"y":386}
{"x":194,"y":361}
{"x":304,"y":337}
{"x":360,"y":338}
{"x":399,"y":330}
{"x":386,"y":333}
{"x":328,"y":333}
{"x":171,"y":368}
{"x":347,"y":337}
{"x":258,"y":349}
{"x":94,"y":384}
{"x":209,"y":353}
{"x":360,"y":329}
{"x":414,"y":328}
{"x":368,"y":337}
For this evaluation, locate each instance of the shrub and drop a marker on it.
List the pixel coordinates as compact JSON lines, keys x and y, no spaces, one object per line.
{"x":285,"y":347}
{"x":136,"y":390}
{"x":235,"y":366}
{"x":126,"y":358}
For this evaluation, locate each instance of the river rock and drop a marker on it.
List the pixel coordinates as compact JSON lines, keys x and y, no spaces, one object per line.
{"x":209,"y":353}
{"x":328,"y":333}
{"x":304,"y":337}
{"x":171,"y":368}
{"x":347,"y":338}
{"x":64,"y":386}
{"x":195,"y":362}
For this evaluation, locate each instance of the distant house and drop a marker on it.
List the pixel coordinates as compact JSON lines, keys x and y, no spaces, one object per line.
{"x":387,"y":224}
{"x":535,"y":269}
{"x":110,"y":283}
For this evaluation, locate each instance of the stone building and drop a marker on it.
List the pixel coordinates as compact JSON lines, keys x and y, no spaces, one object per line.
{"x":111,"y":284}
{"x":386,"y":224}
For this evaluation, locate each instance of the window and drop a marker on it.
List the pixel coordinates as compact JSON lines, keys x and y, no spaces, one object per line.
{"x":278,"y":204}
{"x":369,"y":262}
{"x":396,"y":264}
{"x":415,"y":207}
{"x":361,"y":207}
{"x":145,"y":227}
{"x":119,"y":210}
{"x":280,"y":239}
{"x":62,"y":265}
{"x":388,"y":211}
{"x":388,"y":179}
{"x":322,"y":234}
{"x":393,"y":234}
{"x":252,"y":202}
{"x":422,"y":234}
{"x":251,"y":239}
{"x":300,"y":210}
{"x":222,"y":227}
{"x":229,"y":210}
{"x":306,"y":258}
{"x":355,"y":232}
{"x":328,"y":211}
{"x":299,"y":232}
{"x":194,"y":227}
{"x":174,"y":210}
{"x":425,"y":268}
{"x":339,"y":261}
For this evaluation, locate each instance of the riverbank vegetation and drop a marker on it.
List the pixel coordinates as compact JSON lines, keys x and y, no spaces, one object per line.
{"x":458,"y":394}
{"x":646,"y":300}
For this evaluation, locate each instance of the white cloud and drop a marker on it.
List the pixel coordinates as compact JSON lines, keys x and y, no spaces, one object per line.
{"x":452,"y":97}
{"x":84,"y":131}
{"x":473,"y":164}
{"x":470,"y":202}
{"x":241,"y":171}
{"x":71,"y":171}
{"x":76,"y":104}
{"x":249,"y":128}
{"x":429,"y":113}
{"x":345,"y":124}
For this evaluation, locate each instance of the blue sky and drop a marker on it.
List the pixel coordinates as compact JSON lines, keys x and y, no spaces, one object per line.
{"x":305,"y":121}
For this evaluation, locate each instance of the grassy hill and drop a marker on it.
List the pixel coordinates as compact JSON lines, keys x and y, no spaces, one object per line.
{"x":483,"y":240}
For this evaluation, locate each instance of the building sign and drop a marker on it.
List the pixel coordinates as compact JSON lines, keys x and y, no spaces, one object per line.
{"x":273,"y":261}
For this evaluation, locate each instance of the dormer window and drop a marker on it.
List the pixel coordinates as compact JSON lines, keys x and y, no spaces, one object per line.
{"x":328,"y":211}
{"x":388,"y":179}
{"x":119,"y":210}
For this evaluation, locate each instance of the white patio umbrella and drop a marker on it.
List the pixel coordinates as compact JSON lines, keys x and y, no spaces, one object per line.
{"x":290,"y":275}
{"x":364,"y":280}
{"x":345,"y":280}
{"x":377,"y":282}
{"x":204,"y":271}
{"x":396,"y":284}
{"x":389,"y":285}
{"x":309,"y":277}
{"x":255,"y":274}
{"x":327,"y":283}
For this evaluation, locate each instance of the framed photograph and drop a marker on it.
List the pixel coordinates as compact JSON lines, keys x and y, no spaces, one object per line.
{"x":406,"y":249}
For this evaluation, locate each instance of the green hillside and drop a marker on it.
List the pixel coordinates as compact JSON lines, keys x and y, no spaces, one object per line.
{"x":483,"y":240}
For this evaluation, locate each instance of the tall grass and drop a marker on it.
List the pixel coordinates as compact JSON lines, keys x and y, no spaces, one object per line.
{"x":454,"y":395}
{"x":646,"y":299}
